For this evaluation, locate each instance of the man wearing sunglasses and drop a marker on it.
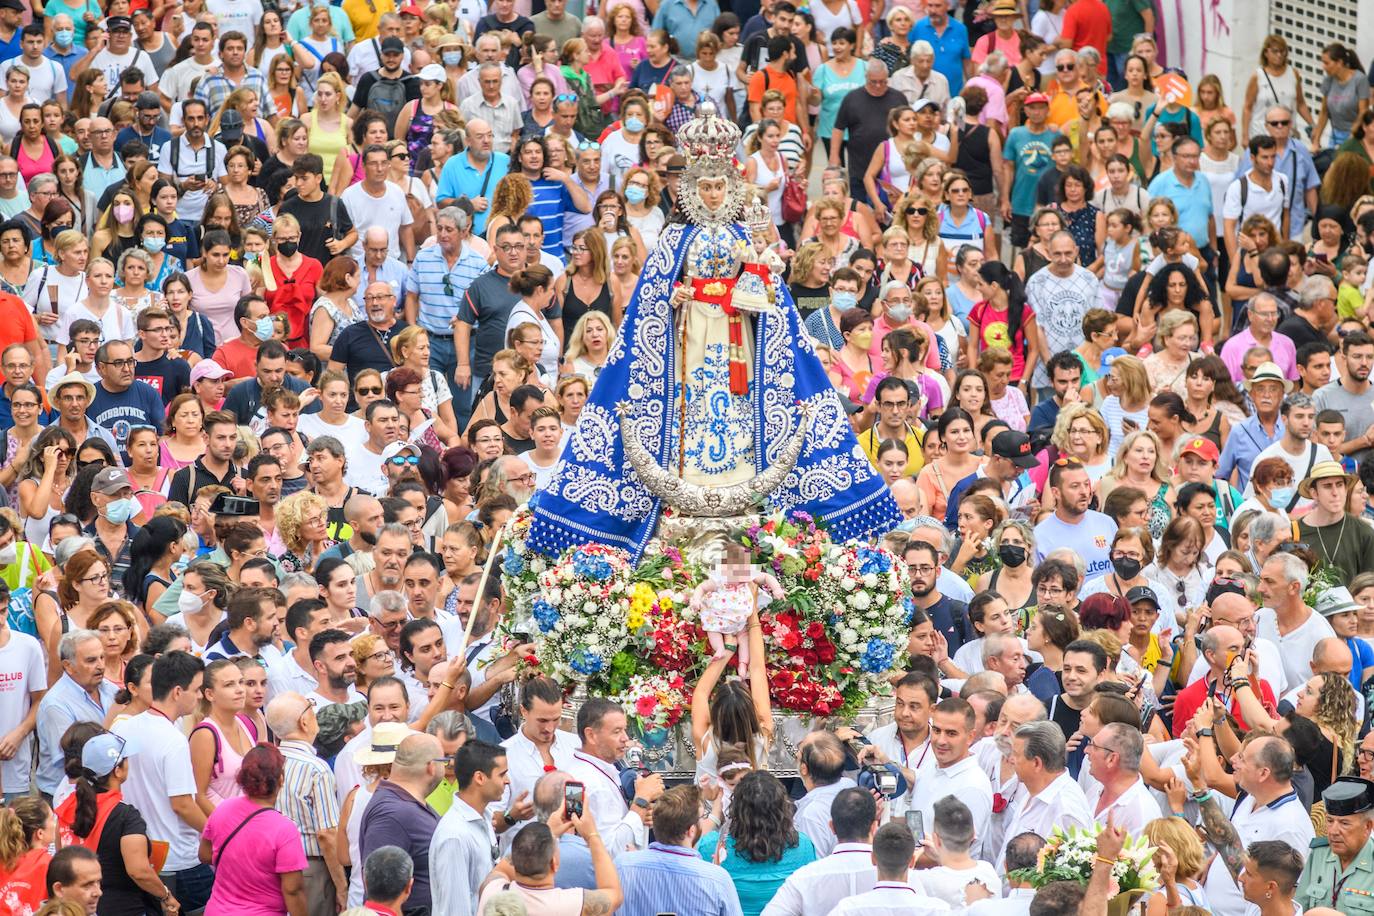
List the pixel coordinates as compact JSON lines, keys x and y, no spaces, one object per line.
{"x":400,"y":461}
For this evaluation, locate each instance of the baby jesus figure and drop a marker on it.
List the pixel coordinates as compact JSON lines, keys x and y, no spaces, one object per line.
{"x":728,"y":598}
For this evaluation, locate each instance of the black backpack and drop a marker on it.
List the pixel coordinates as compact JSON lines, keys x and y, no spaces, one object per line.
{"x":387,"y":97}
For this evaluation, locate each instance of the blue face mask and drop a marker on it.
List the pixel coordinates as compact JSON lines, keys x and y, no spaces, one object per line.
{"x":635,"y":194}
{"x":154,"y":243}
{"x":263,"y":328}
{"x":64,"y":37}
{"x":452,"y":58}
{"x":120,"y":511}
{"x":1280,"y":497}
{"x":634,"y":125}
{"x":844,"y":301}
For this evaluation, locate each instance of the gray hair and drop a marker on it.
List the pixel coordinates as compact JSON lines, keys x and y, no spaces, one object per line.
{"x":487,"y":38}
{"x":70,"y":547}
{"x":395,"y":529}
{"x":488,"y":67}
{"x":384,"y":20}
{"x":449,"y":724}
{"x":1281,"y":109}
{"x":1126,"y":741}
{"x":387,"y":872}
{"x":297,"y":580}
{"x":138,"y":254}
{"x":1088,"y":55}
{"x":919,"y":47}
{"x":890,"y":287}
{"x":1313,"y":289}
{"x":37,"y":182}
{"x":994,"y":644}
{"x":1120,"y":111}
{"x":679,"y":72}
{"x":1276,"y":754}
{"x":387,"y":600}
{"x":1294,"y":569}
{"x":547,"y":796}
{"x":946,"y":545}
{"x":1044,"y":742}
{"x":1266,"y":526}
{"x":1068,"y":556}
{"x":588,"y":21}
{"x":455,"y":215}
{"x":1295,"y":401}
{"x":506,"y":903}
{"x":994,"y":64}
{"x":875,"y":67}
{"x":325,"y":444}
{"x":954,"y":824}
{"x":66,"y":649}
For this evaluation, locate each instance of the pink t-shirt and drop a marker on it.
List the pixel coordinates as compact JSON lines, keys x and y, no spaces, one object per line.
{"x":247,"y":877}
{"x":218,"y":306}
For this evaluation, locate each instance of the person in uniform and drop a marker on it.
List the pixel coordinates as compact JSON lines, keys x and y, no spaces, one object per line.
{"x":1340,"y":869}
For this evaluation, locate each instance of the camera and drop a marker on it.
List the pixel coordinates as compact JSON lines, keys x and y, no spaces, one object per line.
{"x":857,"y":744}
{"x":884,"y":780}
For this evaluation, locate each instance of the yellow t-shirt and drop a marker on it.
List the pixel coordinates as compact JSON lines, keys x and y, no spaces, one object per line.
{"x":365,"y":14}
{"x":1348,"y":299}
{"x":915,"y":460}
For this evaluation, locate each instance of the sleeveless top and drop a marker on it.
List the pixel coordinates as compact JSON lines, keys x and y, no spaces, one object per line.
{"x":223,"y":784}
{"x":167,"y":460}
{"x":1159,"y":512}
{"x":765,"y":177}
{"x":12,"y":447}
{"x":848,"y":227}
{"x":1033,"y":260}
{"x":341,"y":320}
{"x":975,"y":157}
{"x":574,"y":308}
{"x":894,"y":167}
{"x":36,"y":529}
{"x":420,"y":133}
{"x":1272,"y":90}
{"x":326,"y":144}
{"x":354,"y":829}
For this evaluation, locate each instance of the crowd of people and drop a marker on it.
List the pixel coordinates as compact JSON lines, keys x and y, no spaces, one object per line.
{"x":300,"y":302}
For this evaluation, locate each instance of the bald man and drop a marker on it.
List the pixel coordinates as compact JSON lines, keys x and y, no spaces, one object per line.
{"x":1236,"y":610}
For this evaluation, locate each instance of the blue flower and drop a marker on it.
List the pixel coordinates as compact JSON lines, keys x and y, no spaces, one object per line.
{"x":877,"y":656}
{"x":591,"y":566}
{"x":513,"y":563}
{"x":545,"y":614}
{"x":908,"y":610}
{"x":873,"y":561}
{"x":584,"y":662}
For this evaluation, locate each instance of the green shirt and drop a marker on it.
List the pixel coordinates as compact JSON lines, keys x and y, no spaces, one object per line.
{"x":1324,"y":883}
{"x":1127,"y":23}
{"x":1347,"y":545}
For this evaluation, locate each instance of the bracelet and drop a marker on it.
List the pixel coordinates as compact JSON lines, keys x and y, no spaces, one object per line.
{"x":1202,"y":796}
{"x":1238,"y":684}
{"x":446,"y":685}
{"x":1182,"y":815}
{"x":1110,"y":863}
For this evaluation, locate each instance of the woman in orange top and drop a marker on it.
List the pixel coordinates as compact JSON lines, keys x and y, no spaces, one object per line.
{"x":27,"y":828}
{"x":284,"y":89}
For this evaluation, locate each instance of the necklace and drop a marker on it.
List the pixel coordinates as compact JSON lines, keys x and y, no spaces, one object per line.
{"x":1330,"y":555}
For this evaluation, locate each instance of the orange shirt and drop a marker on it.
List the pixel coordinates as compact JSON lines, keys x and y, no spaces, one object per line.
{"x":768,"y":79}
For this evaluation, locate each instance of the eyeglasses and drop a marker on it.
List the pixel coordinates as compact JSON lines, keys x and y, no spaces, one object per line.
{"x":120,"y":363}
{"x":402,"y":460}
{"x":1365,"y":754}
{"x":921,"y":570}
{"x":382,"y":656}
{"x":893,"y":405}
{"x":96,"y":579}
{"x":522,"y":478}
{"x":113,"y":631}
{"x":1103,"y":748}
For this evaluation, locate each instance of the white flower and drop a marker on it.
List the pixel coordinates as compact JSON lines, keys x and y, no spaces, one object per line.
{"x":860,"y":600}
{"x":870,"y":580}
{"x":848,"y":584}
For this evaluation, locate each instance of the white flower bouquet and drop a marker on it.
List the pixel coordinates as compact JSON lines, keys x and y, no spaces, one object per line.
{"x":581,"y":612}
{"x":1069,"y":857}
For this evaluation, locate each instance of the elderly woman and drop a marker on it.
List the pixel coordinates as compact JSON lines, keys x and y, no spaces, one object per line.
{"x":117,"y":622}
{"x":301,"y":522}
{"x":1273,"y":485}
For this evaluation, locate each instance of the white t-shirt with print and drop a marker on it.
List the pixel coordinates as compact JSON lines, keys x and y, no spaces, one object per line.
{"x":23,"y":669}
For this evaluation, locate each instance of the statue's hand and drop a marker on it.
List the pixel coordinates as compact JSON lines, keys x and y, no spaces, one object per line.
{"x":681,"y":296}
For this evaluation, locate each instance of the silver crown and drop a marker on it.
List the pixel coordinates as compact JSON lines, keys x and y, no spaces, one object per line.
{"x":708,"y":136}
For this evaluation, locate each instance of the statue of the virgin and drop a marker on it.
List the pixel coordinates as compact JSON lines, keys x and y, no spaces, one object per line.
{"x":712,"y":402}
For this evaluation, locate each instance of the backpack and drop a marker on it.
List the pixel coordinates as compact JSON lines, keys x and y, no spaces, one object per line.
{"x":387,"y":97}
{"x":21,"y":617}
{"x":590,"y":119}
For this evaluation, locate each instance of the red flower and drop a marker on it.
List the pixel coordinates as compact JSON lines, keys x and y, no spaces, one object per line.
{"x":816,"y":630}
{"x":645,"y":706}
{"x":999,"y":803}
{"x":809,"y":657}
{"x":789,"y":640}
{"x":825,"y":653}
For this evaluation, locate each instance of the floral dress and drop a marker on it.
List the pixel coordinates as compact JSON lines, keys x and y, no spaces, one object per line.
{"x":419,"y":135}
{"x":341,"y":320}
{"x":1082,"y":225}
{"x":726,"y":608}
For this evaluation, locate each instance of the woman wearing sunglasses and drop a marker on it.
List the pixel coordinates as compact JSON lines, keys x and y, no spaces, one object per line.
{"x":45,"y":475}
{"x":400,"y":170}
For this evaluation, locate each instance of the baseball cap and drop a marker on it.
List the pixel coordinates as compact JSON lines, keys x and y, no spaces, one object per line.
{"x":1205,"y":449}
{"x":1037,"y":98}
{"x":923,"y":104}
{"x":1109,"y":356}
{"x":208,"y":368}
{"x":395,"y":448}
{"x":1015,"y":447}
{"x":433,"y":73}
{"x":110,"y":481}
{"x":147,"y":100}
{"x":117,"y":23}
{"x":411,"y":9}
{"x":102,"y":753}
{"x":1142,"y":593}
{"x":393,"y":45}
{"x":15,"y":5}
{"x":231,"y":125}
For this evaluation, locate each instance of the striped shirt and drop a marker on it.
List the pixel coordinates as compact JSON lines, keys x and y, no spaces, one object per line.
{"x":677,"y":873}
{"x":551,"y":201}
{"x":308,"y":796}
{"x":441,"y":287}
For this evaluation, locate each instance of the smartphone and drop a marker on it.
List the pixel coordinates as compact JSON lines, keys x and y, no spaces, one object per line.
{"x":1319,"y":256}
{"x":1147,"y":717}
{"x":915,"y":825}
{"x":573,"y":794}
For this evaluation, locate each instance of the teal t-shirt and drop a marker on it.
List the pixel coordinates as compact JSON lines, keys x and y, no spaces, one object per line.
{"x":757,"y":882}
{"x":833,"y":89}
{"x":1126,"y":23}
{"x":78,"y":14}
{"x":1031,"y":153}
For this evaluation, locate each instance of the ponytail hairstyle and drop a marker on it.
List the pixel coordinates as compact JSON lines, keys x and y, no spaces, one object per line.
{"x":71,"y":743}
{"x":20,"y":822}
{"x":88,"y":788}
{"x":133,"y":673}
{"x":999,"y":274}
{"x":535,"y":277}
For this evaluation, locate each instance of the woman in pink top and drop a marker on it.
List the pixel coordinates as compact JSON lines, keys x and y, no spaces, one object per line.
{"x":626,"y":27}
{"x":217,"y":285}
{"x":33,"y":151}
{"x":220,"y":741}
{"x":256,"y":851}
{"x":543,"y":62}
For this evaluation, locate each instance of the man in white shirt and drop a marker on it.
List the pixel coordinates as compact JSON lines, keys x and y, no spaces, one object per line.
{"x":161,"y":783}
{"x":894,"y":854}
{"x":113,"y":52}
{"x":602,"y":726}
{"x":1113,"y":756}
{"x":465,"y":842}
{"x":176,"y":82}
{"x":815,"y":889}
{"x":23,"y":681}
{"x":906,"y":740}
{"x":538,"y":746}
{"x":1270,"y":810}
{"x":1286,"y":619}
{"x":1261,"y":191}
{"x":957,"y":772}
{"x":47,"y":79}
{"x":1048,"y":796}
{"x":240,"y":16}
{"x":820,"y":762}
{"x":331,"y":659}
{"x":194,"y":162}
{"x":295,"y":670}
{"x":387,"y":701}
{"x":374,"y":201}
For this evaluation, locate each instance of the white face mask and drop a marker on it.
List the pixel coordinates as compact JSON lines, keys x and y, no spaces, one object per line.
{"x":189,"y":602}
{"x":8,"y":554}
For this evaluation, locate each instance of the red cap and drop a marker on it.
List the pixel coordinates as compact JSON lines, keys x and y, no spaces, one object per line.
{"x":411,"y":9}
{"x":1203,"y":448}
{"x":1037,"y":98}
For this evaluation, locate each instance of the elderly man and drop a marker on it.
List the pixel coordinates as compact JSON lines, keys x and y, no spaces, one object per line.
{"x":309,"y":798}
{"x":588,"y":174}
{"x":863,"y":113}
{"x":1221,"y":645}
{"x":1002,"y":654}
{"x":907,"y":496}
{"x":1233,"y":608}
{"x":397,"y":814}
{"x":81,"y":694}
{"x":41,"y":189}
{"x":1314,"y":312}
{"x":121,"y":401}
{"x":104,"y":167}
{"x":1118,"y":793}
{"x":1066,"y":289}
{"x":63,"y":50}
{"x":437,"y":281}
{"x":1260,"y":430}
{"x":1268,"y":809}
{"x":494,"y":106}
{"x":821,"y":762}
{"x":367,"y":344}
{"x":488,"y":48}
{"x":1350,"y":395}
{"x":379,"y":265}
{"x":1293,"y":161}
{"x":1261,"y":321}
{"x":921,"y":80}
{"x":605,"y":68}
{"x":1340,"y":868}
{"x":1286,"y":620}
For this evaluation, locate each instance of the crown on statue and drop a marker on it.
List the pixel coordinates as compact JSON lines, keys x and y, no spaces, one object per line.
{"x":708,"y":136}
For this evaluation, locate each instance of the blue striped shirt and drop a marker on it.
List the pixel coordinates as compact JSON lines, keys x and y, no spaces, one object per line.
{"x":551,"y":201}
{"x":308,"y":795}
{"x":439,"y":300}
{"x":651,"y":877}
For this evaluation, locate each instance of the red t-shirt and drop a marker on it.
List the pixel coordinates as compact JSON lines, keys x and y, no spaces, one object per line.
{"x":238,"y":358}
{"x":1089,"y":22}
{"x":16,"y":321}
{"x":293,"y":296}
{"x":990,"y":326}
{"x":23,"y":890}
{"x":1190,"y":698}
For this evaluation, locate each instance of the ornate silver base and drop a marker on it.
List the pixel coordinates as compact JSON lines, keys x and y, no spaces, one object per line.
{"x":700,"y":540}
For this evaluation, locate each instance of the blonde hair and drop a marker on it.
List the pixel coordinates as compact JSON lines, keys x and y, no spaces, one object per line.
{"x":291,"y":513}
{"x":1160,"y":472}
{"x":804,"y":261}
{"x":403,"y":341}
{"x":1075,"y":411}
{"x":335,"y":82}
{"x":1174,"y":319}
{"x":575,"y":339}
{"x":1181,"y":838}
{"x":930,"y":232}
{"x":626,"y":242}
{"x":1134,"y":380}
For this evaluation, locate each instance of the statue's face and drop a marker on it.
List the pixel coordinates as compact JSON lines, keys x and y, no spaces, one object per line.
{"x":712,"y":192}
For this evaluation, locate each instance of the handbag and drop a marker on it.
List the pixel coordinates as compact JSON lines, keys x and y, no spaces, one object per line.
{"x":793,"y":201}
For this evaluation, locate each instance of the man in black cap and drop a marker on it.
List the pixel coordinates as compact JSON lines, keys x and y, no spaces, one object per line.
{"x":1008,"y":463}
{"x":147,"y":127}
{"x":387,"y":89}
{"x":11,"y":20}
{"x":1340,"y":869}
{"x":113,"y":52}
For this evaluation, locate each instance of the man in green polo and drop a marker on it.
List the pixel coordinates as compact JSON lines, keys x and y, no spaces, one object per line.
{"x":1340,"y":869}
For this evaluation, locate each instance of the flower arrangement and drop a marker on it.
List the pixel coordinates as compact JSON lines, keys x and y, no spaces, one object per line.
{"x":1069,"y":857}
{"x":521,"y":567}
{"x":657,"y":701}
{"x":582,"y":611}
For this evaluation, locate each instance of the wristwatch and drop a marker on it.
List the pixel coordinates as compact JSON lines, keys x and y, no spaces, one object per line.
{"x":642,"y":803}
{"x":1205,"y":732}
